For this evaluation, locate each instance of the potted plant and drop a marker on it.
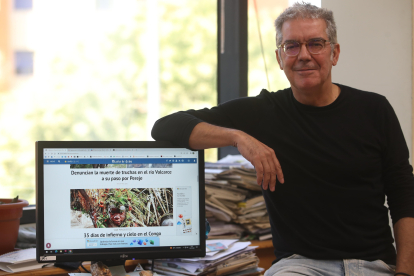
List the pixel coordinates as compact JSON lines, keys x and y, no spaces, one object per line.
{"x":11,"y":210}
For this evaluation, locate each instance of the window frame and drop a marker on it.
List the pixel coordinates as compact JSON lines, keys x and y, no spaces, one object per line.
{"x":232,"y":55}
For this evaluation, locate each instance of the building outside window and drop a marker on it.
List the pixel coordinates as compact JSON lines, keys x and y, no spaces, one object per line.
{"x":23,"y":63}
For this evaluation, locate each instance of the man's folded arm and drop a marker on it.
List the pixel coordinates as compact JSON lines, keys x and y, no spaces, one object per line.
{"x":189,"y":131}
{"x":175,"y":128}
{"x":234,"y":114}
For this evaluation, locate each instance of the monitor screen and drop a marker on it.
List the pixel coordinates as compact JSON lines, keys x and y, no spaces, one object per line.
{"x":118,"y":200}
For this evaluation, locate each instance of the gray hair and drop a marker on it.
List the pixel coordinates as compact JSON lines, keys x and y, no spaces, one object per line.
{"x":306,"y":10}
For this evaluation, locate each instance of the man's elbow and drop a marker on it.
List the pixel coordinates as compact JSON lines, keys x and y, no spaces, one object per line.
{"x":156,"y":134}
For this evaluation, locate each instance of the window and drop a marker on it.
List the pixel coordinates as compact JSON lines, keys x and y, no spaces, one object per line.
{"x":104,"y":4}
{"x":102,"y":75}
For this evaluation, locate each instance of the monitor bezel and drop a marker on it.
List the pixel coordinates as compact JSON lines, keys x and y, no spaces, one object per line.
{"x":112,"y":253}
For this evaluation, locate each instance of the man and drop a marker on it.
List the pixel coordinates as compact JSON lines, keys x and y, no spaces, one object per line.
{"x":341,"y":149}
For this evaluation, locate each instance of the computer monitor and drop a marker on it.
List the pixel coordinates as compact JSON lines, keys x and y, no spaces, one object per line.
{"x":99,"y":201}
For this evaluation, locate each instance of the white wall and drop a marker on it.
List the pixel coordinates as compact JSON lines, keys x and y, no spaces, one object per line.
{"x":376,"y":51}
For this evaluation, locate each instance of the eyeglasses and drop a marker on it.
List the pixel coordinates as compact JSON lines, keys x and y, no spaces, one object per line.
{"x":314,"y":46}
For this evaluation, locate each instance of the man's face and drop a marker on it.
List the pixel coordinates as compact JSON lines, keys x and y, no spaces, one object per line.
{"x":307,"y":72}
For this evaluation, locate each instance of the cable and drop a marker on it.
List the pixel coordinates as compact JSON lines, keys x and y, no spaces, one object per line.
{"x":46,"y":265}
{"x":152,"y":265}
{"x":84,"y":268}
{"x":261,"y":43}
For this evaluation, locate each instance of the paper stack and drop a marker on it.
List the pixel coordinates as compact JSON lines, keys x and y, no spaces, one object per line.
{"x":223,"y":257}
{"x":20,"y":260}
{"x":234,"y":202}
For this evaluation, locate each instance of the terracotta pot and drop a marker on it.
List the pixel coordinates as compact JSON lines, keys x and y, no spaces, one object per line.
{"x":10,"y":214}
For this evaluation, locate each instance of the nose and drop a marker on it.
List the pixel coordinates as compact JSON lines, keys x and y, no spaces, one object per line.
{"x":304,"y":53}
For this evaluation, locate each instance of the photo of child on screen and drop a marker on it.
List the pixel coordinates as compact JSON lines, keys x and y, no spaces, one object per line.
{"x":121,"y":207}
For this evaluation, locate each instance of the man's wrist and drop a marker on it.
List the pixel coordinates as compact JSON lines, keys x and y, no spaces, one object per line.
{"x":235,"y":135}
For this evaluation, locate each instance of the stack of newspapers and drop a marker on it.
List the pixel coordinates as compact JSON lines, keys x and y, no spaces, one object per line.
{"x":235,"y":206}
{"x":223,"y":257}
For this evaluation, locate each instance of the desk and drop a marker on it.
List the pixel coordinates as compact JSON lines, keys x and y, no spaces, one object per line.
{"x":265,"y":253}
{"x":52,"y":270}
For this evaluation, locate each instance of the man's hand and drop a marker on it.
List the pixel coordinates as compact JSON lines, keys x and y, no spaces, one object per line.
{"x":403,"y":232}
{"x":262,"y":157}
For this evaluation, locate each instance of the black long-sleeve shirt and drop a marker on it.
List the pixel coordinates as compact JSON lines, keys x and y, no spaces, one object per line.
{"x":339,"y":161}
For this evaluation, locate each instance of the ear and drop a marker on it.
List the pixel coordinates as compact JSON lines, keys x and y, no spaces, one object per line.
{"x":335,"y":54}
{"x":279,"y":59}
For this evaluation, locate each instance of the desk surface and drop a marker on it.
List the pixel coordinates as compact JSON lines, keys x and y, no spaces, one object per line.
{"x":263,"y":244}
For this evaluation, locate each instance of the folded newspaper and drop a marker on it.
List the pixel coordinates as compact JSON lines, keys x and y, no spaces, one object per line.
{"x":20,"y":260}
{"x":237,"y":258}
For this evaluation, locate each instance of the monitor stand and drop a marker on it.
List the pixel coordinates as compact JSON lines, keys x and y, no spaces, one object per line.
{"x":110,"y":263}
{"x":68,"y":265}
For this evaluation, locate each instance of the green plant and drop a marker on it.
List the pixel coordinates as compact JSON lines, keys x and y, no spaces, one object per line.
{"x":14,"y":200}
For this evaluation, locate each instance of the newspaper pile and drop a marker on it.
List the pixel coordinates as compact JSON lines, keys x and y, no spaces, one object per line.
{"x":223,"y":257}
{"x":234,"y":202}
